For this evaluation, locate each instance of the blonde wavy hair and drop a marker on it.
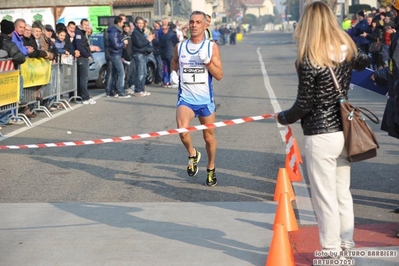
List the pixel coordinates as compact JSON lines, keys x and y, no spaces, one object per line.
{"x":318,"y":35}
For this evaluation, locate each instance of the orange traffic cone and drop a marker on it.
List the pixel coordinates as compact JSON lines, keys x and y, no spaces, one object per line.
{"x":293,"y":175}
{"x":285,"y":213}
{"x":283,"y":185}
{"x":297,"y":152}
{"x":280,"y":252}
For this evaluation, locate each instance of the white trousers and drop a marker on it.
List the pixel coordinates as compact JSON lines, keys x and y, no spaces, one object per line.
{"x":329,"y":175}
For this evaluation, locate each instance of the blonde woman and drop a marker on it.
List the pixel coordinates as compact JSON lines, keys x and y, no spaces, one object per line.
{"x":322,"y":43}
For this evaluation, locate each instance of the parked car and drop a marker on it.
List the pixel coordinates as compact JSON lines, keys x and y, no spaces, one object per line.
{"x":98,"y":68}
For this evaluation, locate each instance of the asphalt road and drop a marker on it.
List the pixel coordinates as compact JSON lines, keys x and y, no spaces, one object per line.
{"x":153,"y":170}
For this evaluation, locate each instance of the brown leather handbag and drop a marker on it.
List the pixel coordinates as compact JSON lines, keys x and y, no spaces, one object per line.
{"x":360,"y":140}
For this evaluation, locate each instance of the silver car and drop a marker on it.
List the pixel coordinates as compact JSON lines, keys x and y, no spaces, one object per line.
{"x":98,"y":67}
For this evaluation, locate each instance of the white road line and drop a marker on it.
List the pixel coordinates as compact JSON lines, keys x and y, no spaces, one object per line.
{"x":44,"y":120}
{"x":303,"y":203}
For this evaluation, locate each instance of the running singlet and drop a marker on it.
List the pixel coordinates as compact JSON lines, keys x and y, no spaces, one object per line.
{"x":195,"y":80}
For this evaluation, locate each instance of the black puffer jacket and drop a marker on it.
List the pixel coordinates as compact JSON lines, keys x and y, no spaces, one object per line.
{"x":12,"y":50}
{"x":317,"y":103}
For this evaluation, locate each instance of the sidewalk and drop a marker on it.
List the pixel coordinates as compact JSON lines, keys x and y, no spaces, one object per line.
{"x":159,"y":233}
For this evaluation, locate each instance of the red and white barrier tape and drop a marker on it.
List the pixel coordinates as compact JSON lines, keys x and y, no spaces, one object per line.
{"x":6,"y":65}
{"x":139,"y":136}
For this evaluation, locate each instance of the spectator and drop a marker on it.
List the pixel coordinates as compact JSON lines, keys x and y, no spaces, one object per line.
{"x":317,"y":106}
{"x":132,"y":65}
{"x":47,"y":41}
{"x":81,"y":43}
{"x":44,"y":43}
{"x":389,"y":12}
{"x":30,"y":40}
{"x":39,"y":50}
{"x":216,"y":35}
{"x":168,"y":42}
{"x":127,"y":57}
{"x":71,"y":27}
{"x":390,"y":121}
{"x":233,"y":35}
{"x":60,"y":41}
{"x":9,"y":50}
{"x":115,"y":48}
{"x":141,"y":48}
{"x":208,"y":33}
{"x":157,"y":52}
{"x":49,"y":32}
{"x":360,"y":29}
{"x":147,"y":30}
{"x":107,"y":59}
{"x":179,"y":32}
{"x":375,"y":35}
{"x":222,"y":37}
{"x":18,"y":34}
{"x":346,"y":23}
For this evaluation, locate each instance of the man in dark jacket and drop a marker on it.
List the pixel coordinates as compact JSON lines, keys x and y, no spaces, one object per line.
{"x":141,"y":48}
{"x":115,"y":48}
{"x":127,"y":56}
{"x":81,"y":43}
{"x":157,"y":52}
{"x":71,"y":27}
{"x":30,"y":40}
{"x":168,"y":41}
{"x":362,"y":27}
{"x":390,"y":120}
{"x":7,"y":29}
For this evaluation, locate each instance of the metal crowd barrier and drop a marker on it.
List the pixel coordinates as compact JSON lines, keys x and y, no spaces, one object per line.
{"x":67,"y":80}
{"x":9,"y":97}
{"x":63,"y":80}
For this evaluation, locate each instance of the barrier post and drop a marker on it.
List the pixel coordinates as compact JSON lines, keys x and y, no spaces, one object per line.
{"x":10,"y":90}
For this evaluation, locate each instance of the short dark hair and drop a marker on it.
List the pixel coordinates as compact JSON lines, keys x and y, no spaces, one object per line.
{"x":59,"y":30}
{"x":71,"y":23}
{"x":118,"y":19}
{"x":137,"y":19}
{"x":83,"y":20}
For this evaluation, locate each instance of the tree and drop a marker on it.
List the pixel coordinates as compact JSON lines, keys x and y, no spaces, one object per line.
{"x":234,"y":8}
{"x":291,"y":10}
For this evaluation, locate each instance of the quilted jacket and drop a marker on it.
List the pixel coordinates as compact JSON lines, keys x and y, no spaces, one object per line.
{"x":12,"y":50}
{"x":317,"y":102}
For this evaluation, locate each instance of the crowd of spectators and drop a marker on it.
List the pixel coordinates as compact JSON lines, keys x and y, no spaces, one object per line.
{"x":372,"y":32}
{"x":126,"y":44}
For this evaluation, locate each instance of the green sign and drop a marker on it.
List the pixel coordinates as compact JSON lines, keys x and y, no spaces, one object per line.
{"x":95,"y":12}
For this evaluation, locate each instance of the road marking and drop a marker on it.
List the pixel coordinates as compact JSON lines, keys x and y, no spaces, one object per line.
{"x":303,"y":203}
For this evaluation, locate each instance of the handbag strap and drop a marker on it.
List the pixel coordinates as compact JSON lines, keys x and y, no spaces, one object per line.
{"x":336,"y":84}
{"x":363,"y":110}
{"x":373,"y":118}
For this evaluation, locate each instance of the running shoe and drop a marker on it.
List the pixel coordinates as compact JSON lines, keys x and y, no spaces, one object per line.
{"x":192,"y":168}
{"x":211,"y":180}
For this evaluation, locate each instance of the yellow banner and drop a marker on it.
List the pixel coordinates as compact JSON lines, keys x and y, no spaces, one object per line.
{"x":36,"y":72}
{"x":9,"y":87}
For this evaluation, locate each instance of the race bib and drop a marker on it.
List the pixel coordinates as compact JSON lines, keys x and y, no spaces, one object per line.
{"x":194,"y":75}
